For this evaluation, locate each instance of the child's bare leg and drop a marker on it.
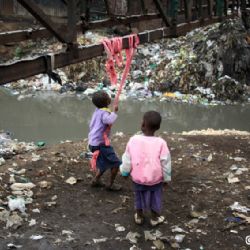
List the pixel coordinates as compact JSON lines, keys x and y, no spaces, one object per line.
{"x":139,"y":217}
{"x":96,"y":181}
{"x":139,"y":212}
{"x":154,"y":214}
{"x":113,"y":175}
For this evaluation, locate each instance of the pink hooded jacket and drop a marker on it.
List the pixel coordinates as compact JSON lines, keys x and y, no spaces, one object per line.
{"x":147,"y":159}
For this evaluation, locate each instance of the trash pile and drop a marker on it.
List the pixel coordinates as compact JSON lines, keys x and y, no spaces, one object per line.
{"x":209,"y":65}
{"x":13,"y":209}
{"x":212,"y":62}
{"x":10,"y":147}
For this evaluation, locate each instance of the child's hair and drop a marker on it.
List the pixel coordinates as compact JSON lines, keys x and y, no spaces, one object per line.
{"x":101,"y":99}
{"x":152,"y":120}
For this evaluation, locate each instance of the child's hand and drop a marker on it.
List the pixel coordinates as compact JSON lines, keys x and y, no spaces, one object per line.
{"x":116,"y":109}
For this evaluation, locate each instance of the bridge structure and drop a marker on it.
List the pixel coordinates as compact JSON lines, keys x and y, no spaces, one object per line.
{"x":178,"y":17}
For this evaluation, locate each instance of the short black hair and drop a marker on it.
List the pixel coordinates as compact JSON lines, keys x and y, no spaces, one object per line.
{"x":152,"y":120}
{"x":101,"y":99}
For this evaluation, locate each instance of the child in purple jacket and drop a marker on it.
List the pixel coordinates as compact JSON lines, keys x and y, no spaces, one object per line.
{"x":100,"y":123}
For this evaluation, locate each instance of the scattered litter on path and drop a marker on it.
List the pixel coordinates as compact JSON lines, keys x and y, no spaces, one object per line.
{"x":32,"y":222}
{"x":159,"y":244}
{"x":71,"y":180}
{"x":242,"y":216}
{"x":133,"y":237}
{"x":36,"y":237}
{"x":2,"y":161}
{"x":176,"y":229}
{"x":232,"y":179}
{"x":119,"y":228}
{"x":17,"y":203}
{"x":35,"y":157}
{"x":179,"y":238}
{"x":104,"y":239}
{"x":22,"y":186}
{"x":13,"y":246}
{"x":237,"y":207}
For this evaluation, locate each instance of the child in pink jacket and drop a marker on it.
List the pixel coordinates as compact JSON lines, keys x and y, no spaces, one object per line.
{"x":147,"y":159}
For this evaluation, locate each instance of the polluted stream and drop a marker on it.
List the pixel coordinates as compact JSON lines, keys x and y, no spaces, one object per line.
{"x":53,"y":117}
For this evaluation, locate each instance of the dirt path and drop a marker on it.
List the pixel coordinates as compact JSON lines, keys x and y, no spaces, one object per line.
{"x":198,"y":201}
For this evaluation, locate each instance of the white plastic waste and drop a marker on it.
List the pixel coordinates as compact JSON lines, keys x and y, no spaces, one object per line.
{"x":2,"y":161}
{"x":17,"y":203}
{"x":237,"y":207}
{"x":36,"y":237}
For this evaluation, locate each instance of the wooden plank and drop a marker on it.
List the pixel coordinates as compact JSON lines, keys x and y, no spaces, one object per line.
{"x":55,"y":29}
{"x":22,"y":35}
{"x":26,"y":68}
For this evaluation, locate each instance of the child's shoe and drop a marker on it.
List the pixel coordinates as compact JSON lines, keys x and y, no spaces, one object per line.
{"x":156,"y":221}
{"x":138,"y":219}
{"x":97,"y":184}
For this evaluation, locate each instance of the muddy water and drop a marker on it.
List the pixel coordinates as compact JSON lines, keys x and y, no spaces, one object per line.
{"x":53,"y":117}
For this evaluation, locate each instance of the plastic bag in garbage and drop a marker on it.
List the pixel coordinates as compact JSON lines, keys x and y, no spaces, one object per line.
{"x":17,"y":203}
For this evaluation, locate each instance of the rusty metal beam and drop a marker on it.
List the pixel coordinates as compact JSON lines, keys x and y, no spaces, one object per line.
{"x":143,"y":7}
{"x":107,"y":7}
{"x":26,"y":68}
{"x":55,"y":29}
{"x":72,"y":22}
{"x":188,"y":9}
{"x":22,"y":35}
{"x":160,"y":8}
{"x":64,"y":2}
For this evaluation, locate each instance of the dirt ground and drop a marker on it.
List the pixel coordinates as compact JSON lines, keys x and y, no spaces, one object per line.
{"x":198,"y":200}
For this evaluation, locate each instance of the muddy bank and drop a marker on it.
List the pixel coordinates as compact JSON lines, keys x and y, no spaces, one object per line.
{"x":210,"y":173}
